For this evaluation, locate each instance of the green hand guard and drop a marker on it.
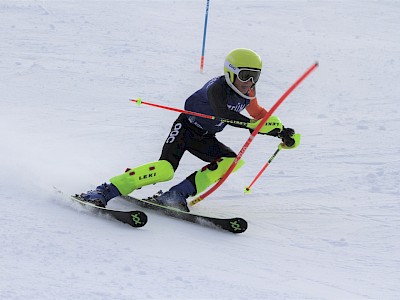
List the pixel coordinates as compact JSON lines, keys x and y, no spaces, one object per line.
{"x":273,"y":123}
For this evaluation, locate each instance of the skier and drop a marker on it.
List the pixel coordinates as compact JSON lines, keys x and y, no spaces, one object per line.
{"x":224,"y":97}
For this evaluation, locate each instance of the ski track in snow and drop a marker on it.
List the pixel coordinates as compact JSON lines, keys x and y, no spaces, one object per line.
{"x":324,"y":219}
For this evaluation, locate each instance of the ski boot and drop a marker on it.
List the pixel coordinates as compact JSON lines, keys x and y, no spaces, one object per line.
{"x":101,"y":195}
{"x":171,"y":198}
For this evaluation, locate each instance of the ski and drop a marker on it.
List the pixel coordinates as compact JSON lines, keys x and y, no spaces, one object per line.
{"x":234,"y":225}
{"x":134,"y":218}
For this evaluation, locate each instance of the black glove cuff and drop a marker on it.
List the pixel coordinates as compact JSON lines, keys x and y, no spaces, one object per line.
{"x":286,"y":136}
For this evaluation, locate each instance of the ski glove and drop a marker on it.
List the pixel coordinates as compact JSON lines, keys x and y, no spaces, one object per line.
{"x":290,"y":139}
{"x":272,"y":127}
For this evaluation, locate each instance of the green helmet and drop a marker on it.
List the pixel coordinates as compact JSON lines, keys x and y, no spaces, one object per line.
{"x":237,"y":59}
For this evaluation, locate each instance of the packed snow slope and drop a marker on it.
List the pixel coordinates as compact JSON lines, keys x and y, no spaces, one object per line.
{"x":324,"y":219}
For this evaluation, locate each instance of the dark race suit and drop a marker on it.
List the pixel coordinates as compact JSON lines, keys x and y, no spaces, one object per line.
{"x":196,"y":134}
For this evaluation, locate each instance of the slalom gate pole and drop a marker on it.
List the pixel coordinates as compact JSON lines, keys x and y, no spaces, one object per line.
{"x":188,"y":112}
{"x":254,"y":133}
{"x":247,"y":189}
{"x":204,"y":37}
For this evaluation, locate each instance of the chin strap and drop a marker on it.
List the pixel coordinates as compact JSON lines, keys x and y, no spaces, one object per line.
{"x":228,"y":81}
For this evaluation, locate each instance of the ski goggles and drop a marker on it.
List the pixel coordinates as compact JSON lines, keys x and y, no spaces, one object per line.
{"x":244,"y":74}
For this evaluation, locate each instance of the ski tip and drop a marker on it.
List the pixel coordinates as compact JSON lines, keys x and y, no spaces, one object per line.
{"x":238,"y":225}
{"x":137,"y":219}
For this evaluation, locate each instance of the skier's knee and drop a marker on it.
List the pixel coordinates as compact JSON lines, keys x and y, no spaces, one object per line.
{"x":213,"y":172}
{"x":138,"y":177}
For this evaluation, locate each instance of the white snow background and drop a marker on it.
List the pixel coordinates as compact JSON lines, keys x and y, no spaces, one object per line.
{"x":324,"y":219}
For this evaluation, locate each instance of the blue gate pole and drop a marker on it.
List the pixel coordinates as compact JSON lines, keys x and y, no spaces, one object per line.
{"x":204,"y":38}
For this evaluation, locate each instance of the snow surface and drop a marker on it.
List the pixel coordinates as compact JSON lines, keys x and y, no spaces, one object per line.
{"x":324,"y":219}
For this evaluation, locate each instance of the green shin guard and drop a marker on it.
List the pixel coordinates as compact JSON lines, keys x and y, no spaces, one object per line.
{"x":150,"y":173}
{"x":213,"y":172}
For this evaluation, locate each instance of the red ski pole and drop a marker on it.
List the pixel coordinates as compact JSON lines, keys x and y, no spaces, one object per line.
{"x":247,"y":189}
{"x":139,"y":101}
{"x":250,"y":139}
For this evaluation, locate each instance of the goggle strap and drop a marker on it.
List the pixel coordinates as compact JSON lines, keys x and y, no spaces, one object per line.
{"x":231,"y":67}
